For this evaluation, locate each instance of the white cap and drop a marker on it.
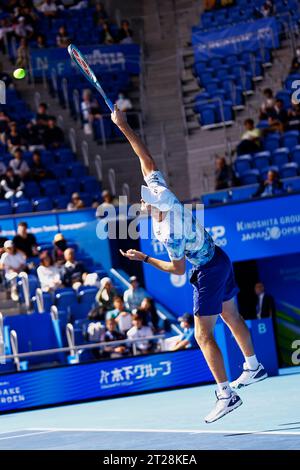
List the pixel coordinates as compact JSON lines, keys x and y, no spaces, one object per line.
{"x":8,"y":244}
{"x":160,"y":197}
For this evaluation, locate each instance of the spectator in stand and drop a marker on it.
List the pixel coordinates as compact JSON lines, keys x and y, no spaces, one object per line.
{"x":54,"y":136}
{"x":6,"y":29}
{"x":48,"y":8}
{"x":4,"y":123}
{"x":99,"y":15}
{"x":24,"y":241}
{"x":73,"y":271}
{"x":278,"y":113}
{"x":23,"y":55}
{"x":265,"y":304}
{"x":106,"y":36}
{"x":122,"y":316}
{"x":106,"y":294}
{"x":63,"y":38}
{"x":90,"y":111}
{"x":149,"y":311}
{"x":42,"y":117}
{"x":41,"y":42}
{"x":13,"y":138}
{"x":125,"y":33}
{"x":108,"y":201}
{"x":223,"y":174}
{"x":134,"y":296}
{"x":250,"y":140}
{"x":295,"y":65}
{"x":19,"y":166}
{"x":272,"y":186}
{"x":187,"y":339}
{"x":48,"y":273}
{"x":76,"y":203}
{"x":119,"y":307}
{"x":268,"y":103}
{"x":35,"y":136}
{"x":124,"y":104}
{"x":13,"y":263}
{"x":139,"y":331}
{"x":112,"y":334}
{"x":2,"y":241}
{"x":11,"y":185}
{"x":59,"y":247}
{"x":23,"y":29}
{"x":38,"y":171}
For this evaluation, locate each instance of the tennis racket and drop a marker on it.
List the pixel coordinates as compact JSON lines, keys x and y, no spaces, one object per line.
{"x":84,"y":67}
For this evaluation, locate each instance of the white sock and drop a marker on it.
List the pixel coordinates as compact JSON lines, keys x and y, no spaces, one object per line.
{"x":252,"y":362}
{"x":224,"y":389}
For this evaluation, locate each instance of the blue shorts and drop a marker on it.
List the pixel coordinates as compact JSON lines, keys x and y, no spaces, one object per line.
{"x":213,"y":284}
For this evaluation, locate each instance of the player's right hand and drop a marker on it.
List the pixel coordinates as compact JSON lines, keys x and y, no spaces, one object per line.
{"x":118,"y":117}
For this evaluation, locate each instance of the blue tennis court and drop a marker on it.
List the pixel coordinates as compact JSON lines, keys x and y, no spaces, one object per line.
{"x":268,"y":419}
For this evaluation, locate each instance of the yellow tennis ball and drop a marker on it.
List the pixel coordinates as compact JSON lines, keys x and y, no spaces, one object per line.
{"x":19,"y":74}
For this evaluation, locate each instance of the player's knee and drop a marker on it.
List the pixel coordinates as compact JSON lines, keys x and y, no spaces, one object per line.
{"x":203,"y":338}
{"x":231,"y":318}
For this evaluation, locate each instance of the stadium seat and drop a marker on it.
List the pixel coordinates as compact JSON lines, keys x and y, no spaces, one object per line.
{"x":70,"y":185}
{"x":261,"y":160}
{"x":295,"y":154}
{"x":77,"y":170}
{"x":272,"y":142}
{"x":280,"y":157}
{"x":289,"y":170}
{"x":64,"y":156}
{"x":32,"y":189}
{"x":43,"y":204}
{"x":61,"y":201}
{"x":86,"y":299}
{"x":5,"y":208}
{"x":89,"y":184}
{"x":243,"y":164}
{"x":50,"y":187}
{"x":66,"y":299}
{"x":22,"y":206}
{"x":290,"y":139}
{"x":250,"y":177}
{"x":207,"y":115}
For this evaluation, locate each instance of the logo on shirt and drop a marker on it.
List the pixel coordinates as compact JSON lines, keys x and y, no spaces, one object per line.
{"x":178,"y":280}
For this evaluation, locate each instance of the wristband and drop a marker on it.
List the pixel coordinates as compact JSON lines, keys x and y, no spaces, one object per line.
{"x":146,"y":259}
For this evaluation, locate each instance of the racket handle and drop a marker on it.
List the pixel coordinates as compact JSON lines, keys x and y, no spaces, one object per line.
{"x":109,"y":104}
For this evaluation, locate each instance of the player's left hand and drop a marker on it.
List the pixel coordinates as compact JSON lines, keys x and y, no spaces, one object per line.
{"x":133,"y":255}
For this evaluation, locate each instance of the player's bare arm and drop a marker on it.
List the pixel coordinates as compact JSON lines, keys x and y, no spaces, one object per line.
{"x":172,"y":267}
{"x":147,"y":163}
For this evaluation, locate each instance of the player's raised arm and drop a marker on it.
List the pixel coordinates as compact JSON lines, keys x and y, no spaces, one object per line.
{"x":147,"y":162}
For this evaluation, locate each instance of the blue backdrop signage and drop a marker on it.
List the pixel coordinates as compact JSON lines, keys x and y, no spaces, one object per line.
{"x":114,"y":57}
{"x":251,"y":230}
{"x":102,"y":379}
{"x":232,"y":40}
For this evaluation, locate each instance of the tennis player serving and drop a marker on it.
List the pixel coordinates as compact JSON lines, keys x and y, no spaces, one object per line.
{"x":212,"y":275}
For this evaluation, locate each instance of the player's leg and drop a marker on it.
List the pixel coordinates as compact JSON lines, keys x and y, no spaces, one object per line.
{"x":253,"y":371}
{"x":227,"y":400}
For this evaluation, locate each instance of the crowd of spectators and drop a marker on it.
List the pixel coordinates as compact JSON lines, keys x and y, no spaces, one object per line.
{"x":20,"y":19}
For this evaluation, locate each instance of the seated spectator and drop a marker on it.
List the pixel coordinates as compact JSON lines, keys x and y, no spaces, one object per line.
{"x":149,"y":311}
{"x":41,"y":42}
{"x":2,"y":241}
{"x":106,"y":294}
{"x":90,"y":111}
{"x":54,"y":136}
{"x":187,"y":339}
{"x":23,"y":55}
{"x":108,"y":200}
{"x":4,"y":123}
{"x":124,"y":104}
{"x":122,"y":316}
{"x":48,"y":273}
{"x":59,"y":247}
{"x":19,"y":166}
{"x":125,"y":33}
{"x":106,"y":36}
{"x":278,"y":113}
{"x":11,"y":185}
{"x":112,"y":334}
{"x":13,"y":138}
{"x":99,"y":15}
{"x":62,"y":38}
{"x":13,"y":263}
{"x":274,"y":125}
{"x":267,"y":104}
{"x":48,"y":8}
{"x":42,"y":117}
{"x":271,"y":186}
{"x":76,"y":203}
{"x":139,"y":331}
{"x":34,"y":134}
{"x":25,"y":242}
{"x":223,"y":174}
{"x":295,"y":65}
{"x":73,"y":271}
{"x":23,"y":29}
{"x":134,"y":296}
{"x":38,"y":171}
{"x":250,"y":140}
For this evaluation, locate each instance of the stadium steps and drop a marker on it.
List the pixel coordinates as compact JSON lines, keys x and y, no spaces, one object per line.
{"x":8,"y":306}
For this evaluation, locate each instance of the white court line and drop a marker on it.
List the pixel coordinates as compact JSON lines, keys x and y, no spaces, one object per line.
{"x":185,"y":431}
{"x":25,"y":435}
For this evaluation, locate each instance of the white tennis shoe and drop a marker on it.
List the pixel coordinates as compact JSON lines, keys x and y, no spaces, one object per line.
{"x":249,"y":377}
{"x":223,"y":407}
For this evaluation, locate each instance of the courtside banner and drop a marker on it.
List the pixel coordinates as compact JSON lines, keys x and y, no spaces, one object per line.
{"x":102,"y":379}
{"x":250,"y":36}
{"x":118,"y":57}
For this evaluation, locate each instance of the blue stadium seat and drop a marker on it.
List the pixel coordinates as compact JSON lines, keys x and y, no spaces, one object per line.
{"x":292,"y":184}
{"x":272,"y":142}
{"x":86,"y":299}
{"x":280,"y":157}
{"x":285,"y":96}
{"x":89,"y":184}
{"x":242,"y":193}
{"x":70,"y":185}
{"x":43,"y":204}
{"x":296,"y":154}
{"x":264,"y":171}
{"x":50,"y":187}
{"x":66,"y":299}
{"x":61,"y":201}
{"x":60,"y":170}
{"x":261,"y":160}
{"x":243,"y":164}
{"x":290,"y":139}
{"x":250,"y":177}
{"x":5,"y":208}
{"x":289,"y":170}
{"x":207,"y":115}
{"x":65,"y":156}
{"x":77,"y":170}
{"x":22,"y":206}
{"x":32,"y":189}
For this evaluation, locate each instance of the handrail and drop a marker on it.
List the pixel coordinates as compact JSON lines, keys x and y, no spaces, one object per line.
{"x":85,"y":152}
{"x":99,"y":165}
{"x":1,"y":339}
{"x":112,"y":180}
{"x":44,"y":352}
{"x":72,"y":139}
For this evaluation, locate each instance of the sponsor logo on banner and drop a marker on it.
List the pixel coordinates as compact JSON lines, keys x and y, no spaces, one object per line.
{"x":269,"y":228}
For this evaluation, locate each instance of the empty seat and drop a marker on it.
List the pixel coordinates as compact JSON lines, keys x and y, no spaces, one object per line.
{"x":243,"y":164}
{"x":272,"y":142}
{"x":289,"y":170}
{"x":50,"y":187}
{"x":280,"y":157}
{"x":43,"y":204}
{"x":290,"y":139}
{"x":207,"y":115}
{"x":89,"y":184}
{"x":86,"y":298}
{"x":250,"y":177}
{"x":61,"y":201}
{"x":70,"y":185}
{"x":32,"y":189}
{"x":22,"y":206}
{"x":261,"y":160}
{"x":5,"y":208}
{"x":77,"y":170}
{"x":295,"y":154}
{"x":66,"y":299}
{"x":64,"y":156}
